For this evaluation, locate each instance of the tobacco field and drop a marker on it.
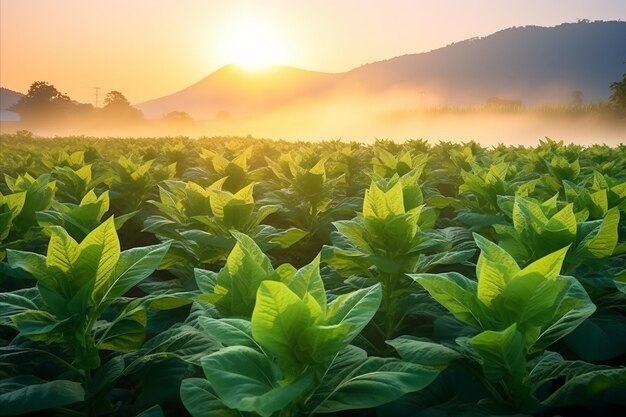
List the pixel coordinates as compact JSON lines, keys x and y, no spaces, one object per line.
{"x":248,"y":277}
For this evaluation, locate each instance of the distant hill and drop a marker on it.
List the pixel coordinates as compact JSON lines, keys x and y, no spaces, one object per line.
{"x":8,"y":98}
{"x":532,"y":64}
{"x":234,"y":89}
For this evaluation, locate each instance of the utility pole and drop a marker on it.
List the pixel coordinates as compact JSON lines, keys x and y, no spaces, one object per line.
{"x":97,"y":90}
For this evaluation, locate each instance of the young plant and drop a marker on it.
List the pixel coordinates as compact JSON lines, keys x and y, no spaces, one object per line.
{"x":76,"y":283}
{"x":80,"y":219}
{"x":200,"y":221}
{"x":390,"y":238}
{"x":541,"y":228}
{"x":517,"y":312}
{"x":294,"y":357}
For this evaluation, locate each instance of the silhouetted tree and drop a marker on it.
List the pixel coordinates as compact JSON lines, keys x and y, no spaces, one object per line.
{"x":118,"y":107}
{"x":577,"y":98}
{"x":43,"y":102}
{"x":618,"y":95}
{"x":178,"y":117}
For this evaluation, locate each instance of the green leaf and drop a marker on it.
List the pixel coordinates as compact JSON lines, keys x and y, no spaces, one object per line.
{"x":34,"y":264}
{"x":601,"y":242}
{"x":494,"y":269}
{"x":288,"y":237}
{"x":12,"y":303}
{"x":247,"y":380}
{"x":549,"y":267}
{"x":63,"y":252}
{"x":355,"y":309}
{"x":134,"y":266}
{"x":24,"y":394}
{"x":39,"y":325}
{"x":424,"y":352}
{"x":99,"y":254}
{"x":126,"y":334}
{"x":608,"y":384}
{"x":503,"y":355}
{"x":374,"y":382}
{"x":278,"y":318}
{"x":200,"y":401}
{"x":230,"y":332}
{"x":574,"y":308}
{"x":552,"y":366}
{"x":308,"y":280}
{"x":457,"y":294}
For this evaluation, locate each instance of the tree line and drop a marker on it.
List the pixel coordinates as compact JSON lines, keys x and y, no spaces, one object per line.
{"x":44,"y":104}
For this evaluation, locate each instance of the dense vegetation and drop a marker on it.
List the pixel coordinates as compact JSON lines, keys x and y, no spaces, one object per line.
{"x":242,"y":277}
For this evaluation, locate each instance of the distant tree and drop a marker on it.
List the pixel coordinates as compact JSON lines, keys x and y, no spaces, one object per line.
{"x":118,"y":107}
{"x":179,"y":117}
{"x":577,"y":98}
{"x":618,"y":95}
{"x":43,"y":102}
{"x":115,"y":99}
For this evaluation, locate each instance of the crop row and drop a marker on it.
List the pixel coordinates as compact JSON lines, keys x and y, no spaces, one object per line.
{"x":242,"y":277}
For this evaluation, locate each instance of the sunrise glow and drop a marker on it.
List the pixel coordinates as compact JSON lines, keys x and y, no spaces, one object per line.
{"x":252,"y":44}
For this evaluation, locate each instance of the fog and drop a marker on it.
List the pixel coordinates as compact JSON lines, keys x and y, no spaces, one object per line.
{"x":398,"y":115}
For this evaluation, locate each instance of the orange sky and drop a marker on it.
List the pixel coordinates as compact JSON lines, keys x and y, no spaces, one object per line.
{"x":150,"y":48}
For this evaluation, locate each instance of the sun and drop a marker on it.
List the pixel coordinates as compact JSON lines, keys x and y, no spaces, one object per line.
{"x":251,"y":44}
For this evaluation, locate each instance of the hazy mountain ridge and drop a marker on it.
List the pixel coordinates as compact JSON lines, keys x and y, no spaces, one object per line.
{"x":533,"y":64}
{"x":530,"y":63}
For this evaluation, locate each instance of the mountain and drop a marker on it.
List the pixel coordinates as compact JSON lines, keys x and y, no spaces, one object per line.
{"x":232,"y":88}
{"x":533,"y":64}
{"x":8,"y":98}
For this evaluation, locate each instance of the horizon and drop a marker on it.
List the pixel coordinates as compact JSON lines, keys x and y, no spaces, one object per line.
{"x":258,"y":37}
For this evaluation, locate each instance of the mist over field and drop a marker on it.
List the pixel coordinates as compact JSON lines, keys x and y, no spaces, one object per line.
{"x":515,"y":86}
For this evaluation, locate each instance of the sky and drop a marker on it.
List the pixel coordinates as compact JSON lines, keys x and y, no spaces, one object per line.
{"x":150,"y":48}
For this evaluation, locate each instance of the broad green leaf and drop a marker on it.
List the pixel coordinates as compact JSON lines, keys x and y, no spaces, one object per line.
{"x":230,"y":332}
{"x":355,"y":309}
{"x":601,"y":242}
{"x":288,"y":237}
{"x":319,"y":342}
{"x":32,"y":263}
{"x":126,"y":334}
{"x":12,"y":303}
{"x":38,"y":325}
{"x":494,"y":268}
{"x":63,"y":252}
{"x":503,"y":355}
{"x":24,"y":394}
{"x":375,"y":382}
{"x":199,"y":399}
{"x":604,"y":386}
{"x":308,"y":280}
{"x":278,"y":319}
{"x":134,"y":266}
{"x":531,"y":300}
{"x":457,"y":294}
{"x":99,"y":255}
{"x":552,"y":366}
{"x":354,"y":232}
{"x":247,"y":380}
{"x":549,"y":267}
{"x":574,"y":308}
{"x":423,"y":352}
{"x":528,"y":216}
